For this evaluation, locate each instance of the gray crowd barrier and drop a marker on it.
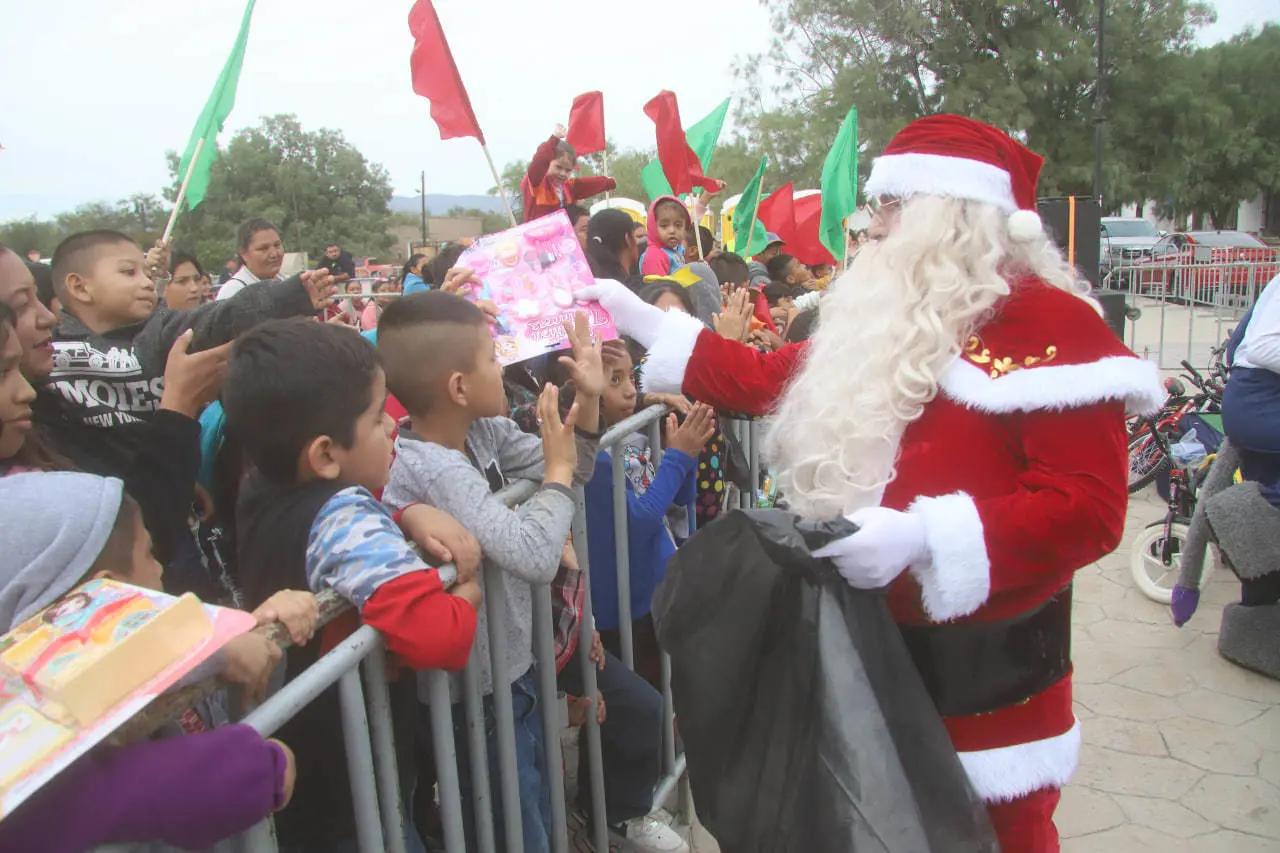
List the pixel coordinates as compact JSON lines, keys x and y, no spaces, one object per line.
{"x":358,"y":667}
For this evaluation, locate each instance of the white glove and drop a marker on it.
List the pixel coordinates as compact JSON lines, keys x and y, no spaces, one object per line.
{"x":632,"y":316}
{"x":887,"y":543}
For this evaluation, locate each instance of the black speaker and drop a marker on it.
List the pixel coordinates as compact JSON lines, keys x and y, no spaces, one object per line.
{"x":1082,"y":246}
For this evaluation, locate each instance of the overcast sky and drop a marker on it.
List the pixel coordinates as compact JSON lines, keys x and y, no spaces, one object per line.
{"x":92,"y":93}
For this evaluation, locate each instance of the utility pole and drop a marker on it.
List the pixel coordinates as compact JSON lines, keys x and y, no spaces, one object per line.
{"x":1099,"y":106}
{"x":423,"y":192}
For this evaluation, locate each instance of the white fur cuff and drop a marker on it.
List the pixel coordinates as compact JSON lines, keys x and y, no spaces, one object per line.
{"x":1009,"y":772}
{"x":956,"y":580}
{"x":665,"y":365}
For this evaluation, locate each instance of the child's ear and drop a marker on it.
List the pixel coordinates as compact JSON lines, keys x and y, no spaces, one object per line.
{"x":456,"y":388}
{"x":320,"y":459}
{"x":77,"y":288}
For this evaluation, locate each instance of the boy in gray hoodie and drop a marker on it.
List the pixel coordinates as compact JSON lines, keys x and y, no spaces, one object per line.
{"x":442,"y":366}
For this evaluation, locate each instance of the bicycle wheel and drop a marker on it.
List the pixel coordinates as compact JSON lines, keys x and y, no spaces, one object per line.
{"x":1151,"y":574}
{"x":1147,"y":460}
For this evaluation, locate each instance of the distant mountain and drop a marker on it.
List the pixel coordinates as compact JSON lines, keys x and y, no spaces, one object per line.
{"x":439,"y":205}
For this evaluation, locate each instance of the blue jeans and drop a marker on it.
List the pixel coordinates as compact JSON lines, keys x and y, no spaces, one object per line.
{"x":531,"y":767}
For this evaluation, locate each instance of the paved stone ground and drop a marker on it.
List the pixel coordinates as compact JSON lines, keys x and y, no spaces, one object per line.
{"x":1181,"y":748}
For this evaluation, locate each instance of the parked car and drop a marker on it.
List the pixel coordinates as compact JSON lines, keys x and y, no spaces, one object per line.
{"x":1125,"y":240}
{"x":1234,"y":264}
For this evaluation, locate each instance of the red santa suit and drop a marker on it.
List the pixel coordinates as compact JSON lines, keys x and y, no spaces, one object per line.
{"x":1018,"y":469}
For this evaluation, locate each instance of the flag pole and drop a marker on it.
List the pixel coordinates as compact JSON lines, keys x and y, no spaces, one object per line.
{"x":697,"y":230}
{"x":607,"y":193}
{"x":182,"y":191}
{"x":751,"y":232}
{"x":511,"y":214}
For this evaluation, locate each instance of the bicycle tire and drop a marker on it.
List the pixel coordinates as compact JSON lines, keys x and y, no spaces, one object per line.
{"x":1146,"y":462}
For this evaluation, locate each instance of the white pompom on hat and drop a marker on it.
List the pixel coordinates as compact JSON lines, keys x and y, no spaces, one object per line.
{"x":958,"y":157}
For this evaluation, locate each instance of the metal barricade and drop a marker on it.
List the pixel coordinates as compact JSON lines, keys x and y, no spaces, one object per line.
{"x":366,"y":708}
{"x":1185,"y":310}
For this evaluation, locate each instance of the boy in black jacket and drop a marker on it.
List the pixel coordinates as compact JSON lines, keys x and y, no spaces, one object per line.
{"x":110,"y":351}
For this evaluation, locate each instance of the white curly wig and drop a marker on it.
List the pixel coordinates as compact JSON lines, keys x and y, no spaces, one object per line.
{"x":888,"y":328}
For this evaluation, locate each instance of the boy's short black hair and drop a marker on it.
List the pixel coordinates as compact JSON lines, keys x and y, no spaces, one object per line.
{"x":445,"y":259}
{"x":654,"y":290}
{"x":289,"y":382}
{"x":43,"y":275}
{"x":256,"y":225}
{"x":776,"y":291}
{"x":576,"y":212}
{"x":730,"y":268}
{"x":423,"y":337}
{"x":708,"y":239}
{"x":79,"y":252}
{"x":777,"y":266}
{"x":802,"y":327}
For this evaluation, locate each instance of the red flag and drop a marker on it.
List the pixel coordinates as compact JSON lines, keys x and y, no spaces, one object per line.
{"x":778,"y":213}
{"x":679,"y":163}
{"x":436,"y":78}
{"x":586,"y":123}
{"x":805,"y":243}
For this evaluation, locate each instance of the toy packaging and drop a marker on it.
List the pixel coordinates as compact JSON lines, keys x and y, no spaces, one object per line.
{"x":533,"y":273}
{"x":77,"y":670}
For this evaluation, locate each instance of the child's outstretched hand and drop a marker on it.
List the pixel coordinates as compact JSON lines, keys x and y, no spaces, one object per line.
{"x":320,"y":287}
{"x":697,"y":429}
{"x":249,"y":660}
{"x":586,"y":367}
{"x":735,"y":321}
{"x":559,"y":445}
{"x":295,"y":609}
{"x":457,"y":277}
{"x":192,"y":380}
{"x":560,"y":132}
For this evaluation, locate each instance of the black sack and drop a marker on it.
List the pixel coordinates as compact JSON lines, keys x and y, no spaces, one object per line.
{"x":805,"y":723}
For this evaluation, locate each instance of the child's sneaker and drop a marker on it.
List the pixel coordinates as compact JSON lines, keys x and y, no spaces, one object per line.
{"x":649,"y":835}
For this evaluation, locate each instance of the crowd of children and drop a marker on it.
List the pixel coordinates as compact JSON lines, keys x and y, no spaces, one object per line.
{"x":253,"y":450}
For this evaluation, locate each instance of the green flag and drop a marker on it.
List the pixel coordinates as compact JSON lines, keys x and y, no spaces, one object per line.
{"x":213,"y":116}
{"x":744,"y":217}
{"x":840,"y":185}
{"x":702,"y":138}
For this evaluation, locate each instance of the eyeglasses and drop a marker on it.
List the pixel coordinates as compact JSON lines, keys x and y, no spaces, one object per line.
{"x":883,"y":204}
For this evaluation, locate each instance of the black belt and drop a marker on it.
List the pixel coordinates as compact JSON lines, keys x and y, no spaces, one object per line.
{"x":973,"y":668}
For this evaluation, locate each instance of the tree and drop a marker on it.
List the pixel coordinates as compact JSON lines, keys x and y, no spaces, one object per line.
{"x":1027,"y":67}
{"x":140,"y":216}
{"x":490,"y":223}
{"x":314,"y":186}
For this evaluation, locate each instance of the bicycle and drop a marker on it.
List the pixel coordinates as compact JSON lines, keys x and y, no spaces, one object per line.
{"x":1148,"y":458}
{"x":1155,"y":557}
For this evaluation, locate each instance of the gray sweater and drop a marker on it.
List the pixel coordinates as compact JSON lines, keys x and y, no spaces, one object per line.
{"x":521,"y":546}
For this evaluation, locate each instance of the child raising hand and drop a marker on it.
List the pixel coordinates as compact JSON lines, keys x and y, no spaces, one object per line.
{"x":549,"y":184}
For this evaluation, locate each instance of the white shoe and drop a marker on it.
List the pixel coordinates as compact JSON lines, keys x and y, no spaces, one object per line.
{"x":649,"y":835}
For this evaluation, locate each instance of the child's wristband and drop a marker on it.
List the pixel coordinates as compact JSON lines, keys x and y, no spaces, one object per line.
{"x":398,"y":515}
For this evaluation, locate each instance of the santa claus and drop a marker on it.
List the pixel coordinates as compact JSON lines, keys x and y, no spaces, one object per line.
{"x":963,"y":403}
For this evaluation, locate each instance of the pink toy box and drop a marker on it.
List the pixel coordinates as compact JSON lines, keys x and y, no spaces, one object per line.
{"x":533,"y":273}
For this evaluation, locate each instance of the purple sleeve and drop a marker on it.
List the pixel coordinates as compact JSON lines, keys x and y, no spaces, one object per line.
{"x":190,"y":791}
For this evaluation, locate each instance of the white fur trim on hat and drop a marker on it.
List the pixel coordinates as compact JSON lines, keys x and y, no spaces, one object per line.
{"x":664,"y":366}
{"x":956,"y":580}
{"x":903,"y":175}
{"x":1133,"y":380}
{"x":1009,"y":772}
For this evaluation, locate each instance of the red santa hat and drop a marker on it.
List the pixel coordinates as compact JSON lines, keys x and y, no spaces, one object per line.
{"x":958,"y":157}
